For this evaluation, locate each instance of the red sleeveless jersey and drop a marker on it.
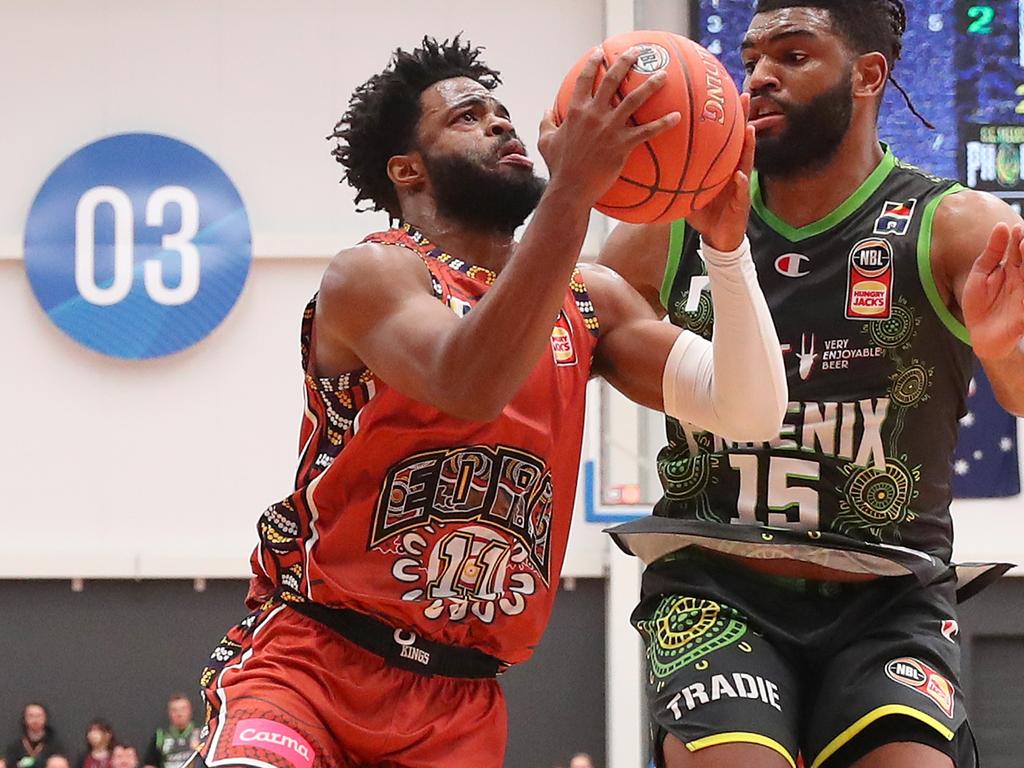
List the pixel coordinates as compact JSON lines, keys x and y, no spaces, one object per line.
{"x":453,"y":529}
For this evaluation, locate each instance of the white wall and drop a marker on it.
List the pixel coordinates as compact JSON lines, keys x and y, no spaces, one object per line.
{"x":987,"y":530}
{"x":256,"y":84}
{"x":161,"y":468}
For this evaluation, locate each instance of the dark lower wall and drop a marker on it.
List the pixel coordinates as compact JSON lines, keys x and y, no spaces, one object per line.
{"x":992,"y":636}
{"x":118,"y":648}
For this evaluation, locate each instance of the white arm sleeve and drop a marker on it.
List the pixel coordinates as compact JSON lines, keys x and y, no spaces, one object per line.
{"x":734,"y":386}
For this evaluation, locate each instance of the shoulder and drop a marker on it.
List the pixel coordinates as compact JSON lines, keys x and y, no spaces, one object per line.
{"x":369,"y":262}
{"x":372,"y":271}
{"x":969,"y":208}
{"x":963,"y":223}
{"x":639,"y":253}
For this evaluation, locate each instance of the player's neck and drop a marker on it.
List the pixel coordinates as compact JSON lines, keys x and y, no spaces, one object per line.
{"x":809,"y":196}
{"x":484,"y":248}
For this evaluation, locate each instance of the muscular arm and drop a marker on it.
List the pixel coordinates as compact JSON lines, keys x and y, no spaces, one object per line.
{"x":963,"y":225}
{"x":375,"y":305}
{"x":376,"y":308}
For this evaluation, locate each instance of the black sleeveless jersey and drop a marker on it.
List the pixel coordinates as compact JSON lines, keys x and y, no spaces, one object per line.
{"x":878,"y":371}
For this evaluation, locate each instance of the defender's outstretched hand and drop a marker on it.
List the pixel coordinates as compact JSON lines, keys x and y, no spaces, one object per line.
{"x":993,"y":297}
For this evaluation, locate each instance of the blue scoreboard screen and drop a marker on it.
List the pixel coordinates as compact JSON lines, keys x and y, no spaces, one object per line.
{"x":962,"y":66}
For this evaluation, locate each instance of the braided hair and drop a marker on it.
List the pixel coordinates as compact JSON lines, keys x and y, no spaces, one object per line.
{"x":383,"y":113}
{"x":866,"y":25}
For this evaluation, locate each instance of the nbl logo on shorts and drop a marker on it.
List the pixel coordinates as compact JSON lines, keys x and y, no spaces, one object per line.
{"x":915,"y":674}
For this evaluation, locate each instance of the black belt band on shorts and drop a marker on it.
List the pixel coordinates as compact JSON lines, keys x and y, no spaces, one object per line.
{"x":402,"y":648}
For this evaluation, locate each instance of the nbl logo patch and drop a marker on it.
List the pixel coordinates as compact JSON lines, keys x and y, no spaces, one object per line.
{"x":869,"y":283}
{"x":914,"y":673}
{"x":895,"y":218}
{"x":652,"y":58}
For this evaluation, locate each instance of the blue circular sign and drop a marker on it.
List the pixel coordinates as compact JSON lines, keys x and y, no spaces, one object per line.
{"x":138,"y":246}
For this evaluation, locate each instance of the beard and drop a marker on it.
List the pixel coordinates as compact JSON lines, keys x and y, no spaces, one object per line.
{"x":812,"y":135}
{"x":480,"y":194}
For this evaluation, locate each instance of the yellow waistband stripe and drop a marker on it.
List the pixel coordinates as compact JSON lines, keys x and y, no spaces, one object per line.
{"x":740,"y":737}
{"x":876,"y":714}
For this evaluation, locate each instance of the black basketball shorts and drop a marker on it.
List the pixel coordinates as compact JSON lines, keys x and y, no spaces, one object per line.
{"x":830,"y":670}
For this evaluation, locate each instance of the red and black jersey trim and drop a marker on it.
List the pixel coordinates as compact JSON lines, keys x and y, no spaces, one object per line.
{"x":408,"y":236}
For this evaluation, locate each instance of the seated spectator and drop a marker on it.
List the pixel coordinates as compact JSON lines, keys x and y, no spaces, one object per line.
{"x":124,"y":756}
{"x":99,"y":737}
{"x":172,"y":746}
{"x":581,"y":760}
{"x":37,"y":740}
{"x":57,"y":760}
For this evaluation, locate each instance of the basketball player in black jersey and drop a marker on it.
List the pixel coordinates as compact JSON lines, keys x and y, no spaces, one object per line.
{"x":799,"y":598}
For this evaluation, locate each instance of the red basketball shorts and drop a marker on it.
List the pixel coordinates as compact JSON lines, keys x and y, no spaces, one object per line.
{"x":283,"y":691}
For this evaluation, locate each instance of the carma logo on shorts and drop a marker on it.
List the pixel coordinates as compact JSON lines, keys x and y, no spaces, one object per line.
{"x":274,"y":737}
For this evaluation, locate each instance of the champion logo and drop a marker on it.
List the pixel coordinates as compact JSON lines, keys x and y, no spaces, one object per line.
{"x":791,"y":265}
{"x":277,"y":738}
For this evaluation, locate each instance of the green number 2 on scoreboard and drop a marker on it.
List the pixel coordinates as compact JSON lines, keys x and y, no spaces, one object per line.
{"x":983,"y":16}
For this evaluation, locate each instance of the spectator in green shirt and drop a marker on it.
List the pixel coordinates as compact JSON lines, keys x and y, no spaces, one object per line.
{"x":172,"y":746}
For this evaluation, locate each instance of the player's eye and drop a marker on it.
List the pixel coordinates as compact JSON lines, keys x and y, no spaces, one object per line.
{"x":748,"y":66}
{"x":469,"y":116}
{"x":796,"y":57}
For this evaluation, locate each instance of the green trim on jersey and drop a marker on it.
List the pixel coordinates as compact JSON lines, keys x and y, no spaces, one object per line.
{"x":675,"y":252}
{"x":840,"y":214}
{"x":924,"y":268}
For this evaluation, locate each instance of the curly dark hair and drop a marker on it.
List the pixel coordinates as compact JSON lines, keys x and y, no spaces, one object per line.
{"x":866,"y":25}
{"x":384,"y":111}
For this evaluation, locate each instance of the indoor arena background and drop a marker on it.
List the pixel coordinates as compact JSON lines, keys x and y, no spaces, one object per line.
{"x":132,"y":470}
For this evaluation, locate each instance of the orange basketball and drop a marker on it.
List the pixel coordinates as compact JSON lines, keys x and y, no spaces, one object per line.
{"x":684,"y":167}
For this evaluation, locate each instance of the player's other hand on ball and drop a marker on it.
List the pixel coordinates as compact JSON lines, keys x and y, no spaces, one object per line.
{"x":722,"y":223}
{"x":993,"y":297}
{"x":588,"y":150}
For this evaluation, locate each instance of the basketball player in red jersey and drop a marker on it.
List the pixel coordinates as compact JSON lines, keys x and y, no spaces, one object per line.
{"x":446,"y":367}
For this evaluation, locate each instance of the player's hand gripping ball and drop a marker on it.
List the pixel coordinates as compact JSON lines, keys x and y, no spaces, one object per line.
{"x":685,"y":167}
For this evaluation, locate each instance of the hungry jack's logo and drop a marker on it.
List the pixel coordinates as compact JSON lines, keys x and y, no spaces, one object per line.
{"x":869,"y":281}
{"x":562,"y":347}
